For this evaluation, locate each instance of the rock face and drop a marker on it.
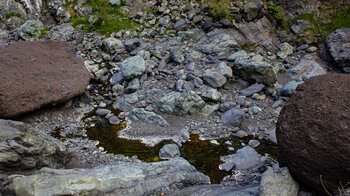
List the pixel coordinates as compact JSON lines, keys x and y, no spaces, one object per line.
{"x":22,"y":149}
{"x":123,"y":178}
{"x":338,"y":44}
{"x":34,"y":74}
{"x":313,"y":132}
{"x":278,"y":183}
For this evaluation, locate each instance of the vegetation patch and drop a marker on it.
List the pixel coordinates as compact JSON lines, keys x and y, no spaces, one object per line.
{"x":10,"y":14}
{"x":219,"y":8}
{"x":106,"y":18}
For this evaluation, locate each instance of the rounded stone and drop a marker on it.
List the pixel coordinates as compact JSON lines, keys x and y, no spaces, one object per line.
{"x":313,"y":133}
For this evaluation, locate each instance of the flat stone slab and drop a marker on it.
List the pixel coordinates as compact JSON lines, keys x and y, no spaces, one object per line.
{"x":38,"y":73}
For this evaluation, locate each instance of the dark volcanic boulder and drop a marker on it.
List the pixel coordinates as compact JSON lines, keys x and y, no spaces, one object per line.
{"x":313,"y":132}
{"x":338,"y":44}
{"x":34,"y":74}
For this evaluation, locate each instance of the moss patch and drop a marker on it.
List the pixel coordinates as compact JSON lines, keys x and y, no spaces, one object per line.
{"x":219,"y":8}
{"x":108,"y":18}
{"x":10,"y":14}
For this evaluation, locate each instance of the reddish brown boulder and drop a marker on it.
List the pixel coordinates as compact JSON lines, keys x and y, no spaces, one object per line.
{"x":34,"y":74}
{"x":313,"y":133}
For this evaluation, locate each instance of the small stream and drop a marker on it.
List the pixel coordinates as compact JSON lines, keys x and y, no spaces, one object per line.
{"x":203,"y":154}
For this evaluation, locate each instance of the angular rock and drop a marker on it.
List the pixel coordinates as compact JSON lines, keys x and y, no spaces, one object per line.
{"x":30,"y":29}
{"x":34,"y":74}
{"x":252,"y":8}
{"x":116,"y":78}
{"x":126,"y":102}
{"x":214,"y":79}
{"x":278,"y":183}
{"x":177,"y":54}
{"x":284,"y":50}
{"x":208,"y":110}
{"x":313,"y":133}
{"x":115,"y":2}
{"x":209,"y":93}
{"x":246,"y":158}
{"x":179,"y":24}
{"x":169,"y":151}
{"x":300,"y":26}
{"x":121,"y":178}
{"x":338,"y":44}
{"x":24,"y":149}
{"x":113,"y":45}
{"x":131,"y":44}
{"x":233,"y":117}
{"x":64,"y":32}
{"x":216,"y":190}
{"x":181,"y":103}
{"x":255,"y":70}
{"x":132,"y":67}
{"x":224,"y":70}
{"x":133,"y":86}
{"x":305,"y":69}
{"x":255,"y":88}
{"x":235,"y":55}
{"x":140,"y":114}
{"x":288,"y":89}
{"x":217,"y":43}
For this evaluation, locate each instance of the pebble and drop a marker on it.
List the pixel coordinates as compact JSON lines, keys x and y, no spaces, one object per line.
{"x":254,"y":143}
{"x":241,"y":134}
{"x":114,"y":120}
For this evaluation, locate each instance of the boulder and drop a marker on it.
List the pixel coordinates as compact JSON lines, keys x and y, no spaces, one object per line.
{"x":214,"y":79}
{"x":224,"y":70}
{"x":305,"y":69}
{"x":255,"y":70}
{"x":338,"y":44}
{"x":140,"y":114}
{"x":34,"y":74}
{"x":24,"y":149}
{"x":30,"y":29}
{"x":131,"y":44}
{"x":245,"y":158}
{"x":169,"y":151}
{"x":132,"y":67}
{"x":63,"y":32}
{"x":284,"y":50}
{"x":278,"y":183}
{"x":121,"y":178}
{"x":255,"y":88}
{"x":210,"y":94}
{"x":113,"y":45}
{"x":313,"y":133}
{"x":233,"y":117}
{"x":252,"y":8}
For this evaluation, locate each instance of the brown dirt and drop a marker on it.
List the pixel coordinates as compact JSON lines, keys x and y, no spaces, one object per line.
{"x":313,"y":133}
{"x":38,"y":73}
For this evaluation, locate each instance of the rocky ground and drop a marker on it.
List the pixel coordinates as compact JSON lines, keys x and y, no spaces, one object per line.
{"x":179,"y":73}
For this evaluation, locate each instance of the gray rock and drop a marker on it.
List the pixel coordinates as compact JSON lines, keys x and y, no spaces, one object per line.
{"x":305,"y":69}
{"x":241,"y":134}
{"x":63,"y":32}
{"x":338,"y":44}
{"x":133,"y":86}
{"x":254,"y":110}
{"x":246,"y":158}
{"x":115,"y":2}
{"x":179,"y":85}
{"x":197,"y":82}
{"x":114,"y":120}
{"x":284,"y":50}
{"x":288,"y":89}
{"x":164,"y":21}
{"x":132,"y":67}
{"x":140,"y":114}
{"x":227,"y":105}
{"x":255,"y":88}
{"x":254,"y":143}
{"x":272,"y":136}
{"x":233,"y":117}
{"x":184,"y":135}
{"x":214,"y":79}
{"x":255,"y":70}
{"x":13,"y":23}
{"x":113,"y":45}
{"x":121,"y":178}
{"x":216,"y":190}
{"x":224,"y":70}
{"x":177,"y":54}
{"x":300,"y":26}
{"x":187,"y":86}
{"x":169,"y":151}
{"x":131,"y":44}
{"x":181,"y":103}
{"x":226,"y":166}
{"x":126,"y":102}
{"x":116,"y":78}
{"x":235,"y":55}
{"x":252,"y":8}
{"x":102,"y":112}
{"x":208,"y":110}
{"x":30,"y":29}
{"x":179,"y":24}
{"x":217,"y":43}
{"x":208,"y":93}
{"x":278,"y":183}
{"x":24,"y":149}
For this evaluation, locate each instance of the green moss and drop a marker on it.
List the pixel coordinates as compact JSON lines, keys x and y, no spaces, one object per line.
{"x":219,"y":8}
{"x":44,"y":32}
{"x":110,"y":18}
{"x":278,"y":13}
{"x":10,"y":14}
{"x":322,"y":25}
